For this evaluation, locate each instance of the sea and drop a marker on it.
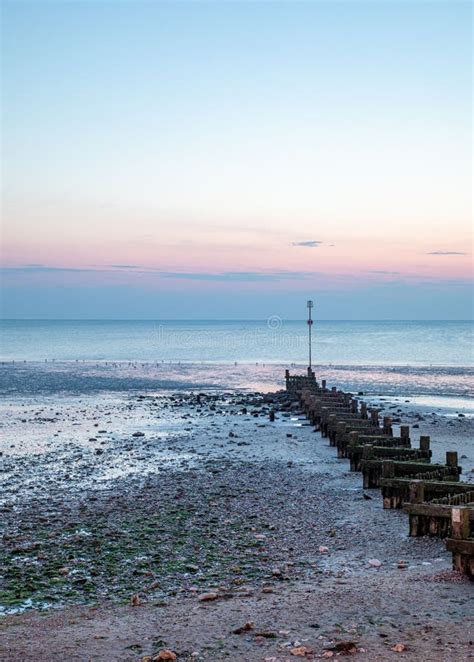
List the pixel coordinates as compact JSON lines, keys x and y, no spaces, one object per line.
{"x":433,"y":358}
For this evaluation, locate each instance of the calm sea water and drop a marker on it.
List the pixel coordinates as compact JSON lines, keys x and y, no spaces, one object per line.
{"x":271,"y":341}
{"x":424,"y":358}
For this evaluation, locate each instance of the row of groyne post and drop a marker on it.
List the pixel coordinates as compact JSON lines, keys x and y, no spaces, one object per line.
{"x":437,"y":503}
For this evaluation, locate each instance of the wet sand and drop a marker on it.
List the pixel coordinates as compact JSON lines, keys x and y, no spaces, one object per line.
{"x":155,"y":498}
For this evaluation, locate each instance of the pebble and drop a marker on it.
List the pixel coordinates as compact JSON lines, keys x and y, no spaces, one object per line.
{"x":375,"y":563}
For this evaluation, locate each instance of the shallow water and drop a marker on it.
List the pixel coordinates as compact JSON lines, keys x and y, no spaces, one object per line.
{"x":29,"y":378}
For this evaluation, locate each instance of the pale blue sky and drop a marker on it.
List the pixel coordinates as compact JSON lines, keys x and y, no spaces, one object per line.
{"x":209,"y":139}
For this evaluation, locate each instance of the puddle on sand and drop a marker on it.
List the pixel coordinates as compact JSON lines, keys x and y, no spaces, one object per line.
{"x":445,"y":405}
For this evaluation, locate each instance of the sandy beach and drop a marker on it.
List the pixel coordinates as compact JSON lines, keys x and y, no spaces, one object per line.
{"x":120,"y":509}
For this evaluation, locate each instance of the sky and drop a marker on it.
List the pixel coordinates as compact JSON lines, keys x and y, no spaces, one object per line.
{"x":229,"y":160}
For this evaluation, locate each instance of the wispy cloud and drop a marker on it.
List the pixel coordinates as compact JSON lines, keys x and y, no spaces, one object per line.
{"x":222,"y":276}
{"x":237,"y":276}
{"x":446,"y":253}
{"x":381,"y":271}
{"x":308,"y":244}
{"x":41,"y":268}
{"x":124,"y":266}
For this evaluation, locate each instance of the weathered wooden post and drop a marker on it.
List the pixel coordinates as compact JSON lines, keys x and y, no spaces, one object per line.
{"x":368,"y":452}
{"x":405,"y":433}
{"x":387,"y":425}
{"x":271,"y":415}
{"x":424,"y":443}
{"x":353,"y":441}
{"x":374,"y":417}
{"x":461,"y":544}
{"x":323,"y":384}
{"x":322,"y":419}
{"x":340,"y":432}
{"x":353,"y":438}
{"x":363,"y":410}
{"x":460,"y":522}
{"x":417,"y":491}
{"x":452,"y":458}
{"x":388,"y":469}
{"x":416,"y":495}
{"x":331,"y":424}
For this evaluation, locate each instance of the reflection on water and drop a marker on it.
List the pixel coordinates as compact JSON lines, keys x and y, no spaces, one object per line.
{"x":85,"y":377}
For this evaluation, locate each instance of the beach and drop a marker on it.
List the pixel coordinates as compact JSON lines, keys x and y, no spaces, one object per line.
{"x":236,"y":332}
{"x":126,"y":498}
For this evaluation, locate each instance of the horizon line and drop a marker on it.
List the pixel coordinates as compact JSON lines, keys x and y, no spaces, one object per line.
{"x":169,"y":319}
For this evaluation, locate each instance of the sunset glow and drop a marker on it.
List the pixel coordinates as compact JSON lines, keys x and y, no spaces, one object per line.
{"x":213,"y":149}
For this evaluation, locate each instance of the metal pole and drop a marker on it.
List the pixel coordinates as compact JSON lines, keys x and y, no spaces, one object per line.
{"x":310,"y":337}
{"x":310,"y":324}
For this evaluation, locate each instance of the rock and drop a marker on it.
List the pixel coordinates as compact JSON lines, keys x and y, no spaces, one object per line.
{"x":138,"y":434}
{"x":301,"y":651}
{"x":323,"y":550}
{"x":345,"y":647}
{"x":244,"y":628}
{"x":266,"y":634}
{"x":208,"y":597}
{"x":165,"y":654}
{"x":375,"y":563}
{"x":135,"y":600}
{"x":399,"y":648}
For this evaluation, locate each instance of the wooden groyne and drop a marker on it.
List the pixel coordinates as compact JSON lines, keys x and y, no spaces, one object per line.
{"x":437,"y":502}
